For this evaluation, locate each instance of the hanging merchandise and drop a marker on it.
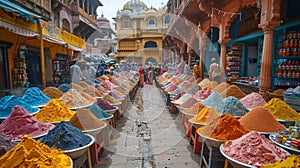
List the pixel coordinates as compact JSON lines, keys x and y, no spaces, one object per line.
{"x":19,"y":74}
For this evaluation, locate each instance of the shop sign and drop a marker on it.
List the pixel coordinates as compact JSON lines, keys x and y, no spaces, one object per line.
{"x":72,"y":39}
{"x":18,"y":21}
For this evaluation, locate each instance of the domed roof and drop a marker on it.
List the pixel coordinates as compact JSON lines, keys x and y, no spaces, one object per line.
{"x":103,"y":22}
{"x":135,"y":5}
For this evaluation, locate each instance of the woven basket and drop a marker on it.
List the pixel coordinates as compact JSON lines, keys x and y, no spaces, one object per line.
{"x":271,"y":96}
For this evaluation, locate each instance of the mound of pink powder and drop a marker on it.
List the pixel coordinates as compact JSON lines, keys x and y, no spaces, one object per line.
{"x":253,"y":100}
{"x":171,"y":88}
{"x":254,"y":149}
{"x":21,"y":122}
{"x":188,"y":103}
{"x":202,"y":94}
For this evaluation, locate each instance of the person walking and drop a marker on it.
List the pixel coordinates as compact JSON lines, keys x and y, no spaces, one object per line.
{"x":214,"y":71}
{"x":75,"y":73}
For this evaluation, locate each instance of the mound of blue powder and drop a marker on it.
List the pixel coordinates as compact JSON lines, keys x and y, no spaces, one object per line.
{"x":98,"y":112}
{"x":64,"y":87}
{"x":215,"y":100}
{"x":64,"y":136}
{"x":234,"y":107}
{"x":7,"y":104}
{"x":35,"y":97}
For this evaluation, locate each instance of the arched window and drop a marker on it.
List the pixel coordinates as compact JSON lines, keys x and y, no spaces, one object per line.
{"x":150,"y":44}
{"x":66,"y":25}
{"x":126,"y":22}
{"x":166,"y":21}
{"x":151,"y":23}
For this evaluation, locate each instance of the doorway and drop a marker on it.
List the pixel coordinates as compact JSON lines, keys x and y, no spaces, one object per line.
{"x":33,"y":67}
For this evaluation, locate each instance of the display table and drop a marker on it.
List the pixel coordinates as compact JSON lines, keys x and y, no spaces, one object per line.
{"x":187,"y":125}
{"x":97,"y":146}
{"x":195,"y":139}
{"x":246,"y":88}
{"x":83,"y":161}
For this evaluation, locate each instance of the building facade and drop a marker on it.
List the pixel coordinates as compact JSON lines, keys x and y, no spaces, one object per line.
{"x":139,"y":32}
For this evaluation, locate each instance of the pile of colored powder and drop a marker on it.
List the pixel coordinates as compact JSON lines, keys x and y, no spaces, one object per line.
{"x":193,"y":88}
{"x":176,"y":97}
{"x":121,"y":90}
{"x":104,"y":105}
{"x":233,"y":90}
{"x":114,"y":95}
{"x":253,"y":100}
{"x":254,"y":149}
{"x":94,"y":92}
{"x":107,"y":85}
{"x":53,"y":92}
{"x":234,"y":107}
{"x":100,"y":88}
{"x":118,"y":93}
{"x":5,"y":144}
{"x":31,"y":153}
{"x":290,"y":162}
{"x":55,"y":111}
{"x":278,"y":92}
{"x":88,"y":97}
{"x":64,"y":87}
{"x":205,"y":116}
{"x":214,"y":100}
{"x":76,"y":86}
{"x":64,"y":136}
{"x":184,"y":83}
{"x":7,"y":104}
{"x":35,"y":97}
{"x":183,"y":98}
{"x":176,"y":91}
{"x":98,"y":112}
{"x":261,"y":115}
{"x":111,"y":100}
{"x":224,"y":127}
{"x":84,"y":119}
{"x":188,"y":103}
{"x":73,"y":99}
{"x":194,"y":109}
{"x":221,"y":87}
{"x":171,"y":88}
{"x":281,"y":110}
{"x":202,"y":94}
{"x":20,"y":122}
{"x":204,"y":82}
{"x":84,"y":84}
{"x":211,"y":85}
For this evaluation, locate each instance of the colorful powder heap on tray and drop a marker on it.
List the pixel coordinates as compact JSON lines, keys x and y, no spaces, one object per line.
{"x":55,"y":111}
{"x":224,"y":127}
{"x":88,"y":97}
{"x":98,"y":112}
{"x":171,"y":88}
{"x":35,"y":97}
{"x":234,"y":107}
{"x":121,"y":90}
{"x":261,"y":115}
{"x":7,"y":104}
{"x":111,"y":100}
{"x":291,"y":162}
{"x":64,"y":87}
{"x":176,"y":91}
{"x":30,"y":153}
{"x":221,"y":87}
{"x":94,"y":92}
{"x":65,"y":137}
{"x":204,"y":82}
{"x":188,"y":103}
{"x":214,"y":100}
{"x":84,"y":84}
{"x":104,"y":105}
{"x":253,"y":100}
{"x":5,"y":144}
{"x":114,"y":95}
{"x":205,"y":116}
{"x":211,"y":85}
{"x":281,"y":110}
{"x":76,"y":86}
{"x":233,"y":90}
{"x":183,"y":98}
{"x":20,"y":122}
{"x":118,"y":93}
{"x":73,"y":99}
{"x":53,"y":92}
{"x":254,"y":149}
{"x":84,"y":119}
{"x":278,"y":92}
{"x":194,"y":109}
{"x":202,"y":94}
{"x":107,"y":85}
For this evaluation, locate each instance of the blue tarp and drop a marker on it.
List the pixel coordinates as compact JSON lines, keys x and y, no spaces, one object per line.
{"x":19,"y":11}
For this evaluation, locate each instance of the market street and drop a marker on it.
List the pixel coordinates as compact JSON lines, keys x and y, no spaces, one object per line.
{"x":148,"y":135}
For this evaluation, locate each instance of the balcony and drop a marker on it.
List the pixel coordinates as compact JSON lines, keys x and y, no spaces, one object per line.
{"x":41,"y":7}
{"x":87,"y":16}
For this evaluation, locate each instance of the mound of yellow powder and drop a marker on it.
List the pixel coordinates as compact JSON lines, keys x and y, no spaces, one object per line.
{"x":281,"y":110}
{"x":291,"y":162}
{"x":233,"y":90}
{"x":30,"y":153}
{"x":205,"y":116}
{"x":55,"y":111}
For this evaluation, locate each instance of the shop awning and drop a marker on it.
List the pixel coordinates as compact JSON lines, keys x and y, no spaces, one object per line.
{"x":18,"y":30}
{"x":11,"y":7}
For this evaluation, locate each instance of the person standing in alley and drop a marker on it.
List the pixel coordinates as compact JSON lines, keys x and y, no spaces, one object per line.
{"x":214,"y":71}
{"x":141,"y":71}
{"x":75,"y":73}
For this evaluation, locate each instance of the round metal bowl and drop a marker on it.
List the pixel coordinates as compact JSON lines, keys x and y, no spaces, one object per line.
{"x":196,"y":125}
{"x":95,"y":132}
{"x":79,"y":107}
{"x":113,"y":110}
{"x":210,"y":141}
{"x":76,"y":153}
{"x":289,"y":149}
{"x":71,"y":164}
{"x":238,"y":164}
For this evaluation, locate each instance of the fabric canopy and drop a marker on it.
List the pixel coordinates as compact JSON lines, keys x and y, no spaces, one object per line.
{"x":11,"y":7}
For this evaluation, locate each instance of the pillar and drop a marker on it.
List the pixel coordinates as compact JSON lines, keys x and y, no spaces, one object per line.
{"x":88,"y":7}
{"x":223,"y":53}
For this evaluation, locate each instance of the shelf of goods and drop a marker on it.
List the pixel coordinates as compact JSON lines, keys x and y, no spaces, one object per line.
{"x":19,"y":73}
{"x":286,"y":64}
{"x":233,"y":61}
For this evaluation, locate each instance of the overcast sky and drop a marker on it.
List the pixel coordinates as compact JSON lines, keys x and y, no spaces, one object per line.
{"x":110,"y":7}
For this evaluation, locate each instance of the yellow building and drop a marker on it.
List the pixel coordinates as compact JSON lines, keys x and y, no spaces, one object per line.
{"x":139,"y":32}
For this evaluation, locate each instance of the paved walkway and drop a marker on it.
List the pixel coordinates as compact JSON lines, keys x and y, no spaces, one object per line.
{"x":149,"y":136}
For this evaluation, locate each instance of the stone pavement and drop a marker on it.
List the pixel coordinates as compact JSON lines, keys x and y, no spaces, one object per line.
{"x":148,"y":136}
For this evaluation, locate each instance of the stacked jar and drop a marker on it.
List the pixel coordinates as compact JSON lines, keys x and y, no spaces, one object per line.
{"x":291,"y":44}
